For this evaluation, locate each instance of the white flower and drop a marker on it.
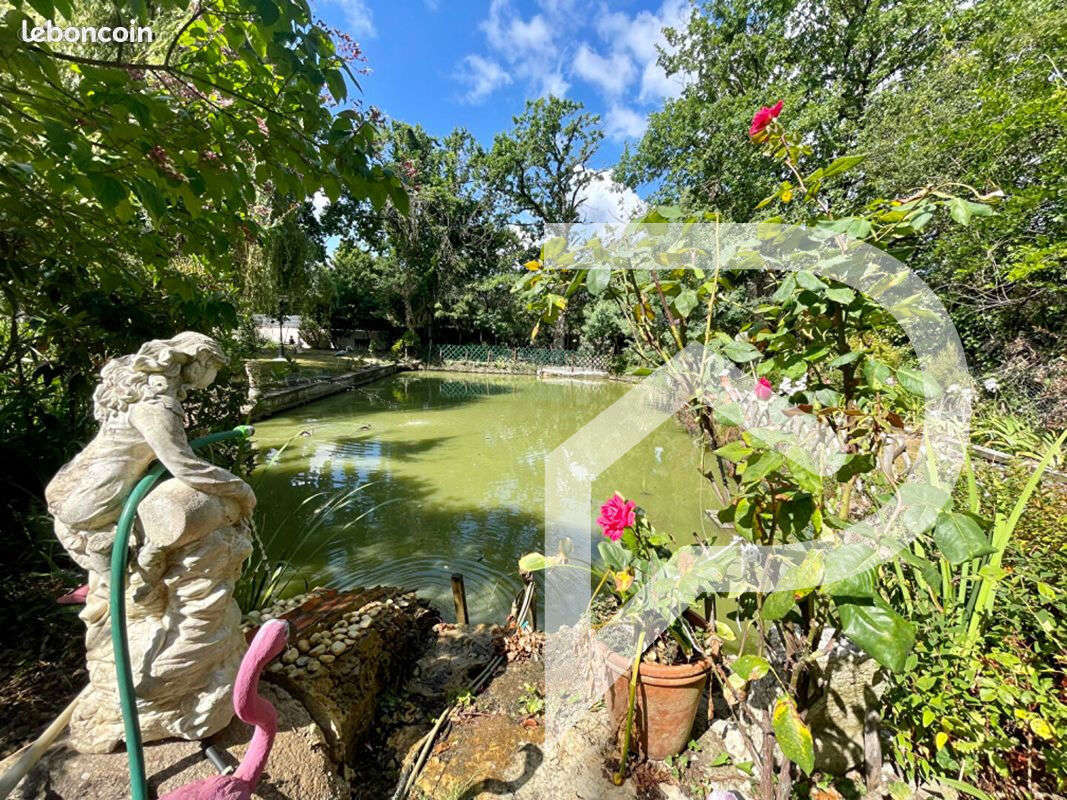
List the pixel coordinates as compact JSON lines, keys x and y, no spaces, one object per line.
{"x":991,"y":384}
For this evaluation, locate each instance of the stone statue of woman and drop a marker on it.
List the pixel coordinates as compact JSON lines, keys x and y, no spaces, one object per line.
{"x":188,"y":544}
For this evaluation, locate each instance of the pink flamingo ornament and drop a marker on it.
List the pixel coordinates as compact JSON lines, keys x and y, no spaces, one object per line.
{"x":253,"y":709}
{"x":75,"y":598}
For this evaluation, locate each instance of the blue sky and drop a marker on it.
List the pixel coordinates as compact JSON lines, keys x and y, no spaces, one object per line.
{"x":474,"y":63}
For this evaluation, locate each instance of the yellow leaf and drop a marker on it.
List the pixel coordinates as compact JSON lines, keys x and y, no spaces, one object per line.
{"x":1040,"y":728}
{"x":533,"y":266}
{"x":623,"y":581}
{"x":941,"y":740}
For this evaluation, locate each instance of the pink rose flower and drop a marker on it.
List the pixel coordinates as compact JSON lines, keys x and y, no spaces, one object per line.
{"x":764,"y":389}
{"x":763,"y":118}
{"x":616,"y":515}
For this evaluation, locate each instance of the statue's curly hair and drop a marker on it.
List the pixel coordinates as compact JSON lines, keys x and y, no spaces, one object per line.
{"x":148,"y":372}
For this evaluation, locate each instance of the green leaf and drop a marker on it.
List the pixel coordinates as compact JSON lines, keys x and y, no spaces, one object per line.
{"x":734,"y":451}
{"x":268,"y":12}
{"x":724,"y":631}
{"x":841,"y":294}
{"x":740,"y":351}
{"x":597,"y":280}
{"x":767,"y":463}
{"x":855,"y":464}
{"x":751,"y":667}
{"x":807,"y":280}
{"x":1040,"y":728}
{"x":964,"y":787}
{"x":879,"y":631}
{"x":685,"y":302}
{"x":958,"y":209}
{"x":918,"y":382}
{"x":533,"y":562}
{"x":107,"y":189}
{"x":776,"y":605}
{"x":842,"y":164}
{"x":792,"y":735}
{"x":335,"y":81}
{"x":960,"y":538}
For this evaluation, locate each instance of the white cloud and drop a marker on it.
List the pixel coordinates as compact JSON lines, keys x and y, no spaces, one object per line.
{"x":604,"y":200}
{"x":482,"y":76}
{"x":526,"y":47}
{"x":554,"y":84}
{"x":641,"y":36}
{"x":359,"y":20}
{"x":319,"y":201}
{"x":556,"y":43}
{"x":612,"y":73}
{"x":622,"y":123}
{"x":510,"y":33}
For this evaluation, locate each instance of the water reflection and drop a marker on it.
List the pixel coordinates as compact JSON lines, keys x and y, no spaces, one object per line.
{"x":453,"y":470}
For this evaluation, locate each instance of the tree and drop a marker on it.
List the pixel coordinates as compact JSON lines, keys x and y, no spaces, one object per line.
{"x":135,"y":180}
{"x":825,"y":60}
{"x":542,"y":167}
{"x":990,"y":112}
{"x":429,"y":261}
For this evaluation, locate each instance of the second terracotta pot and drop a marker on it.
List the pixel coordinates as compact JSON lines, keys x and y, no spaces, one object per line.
{"x":666,"y":705}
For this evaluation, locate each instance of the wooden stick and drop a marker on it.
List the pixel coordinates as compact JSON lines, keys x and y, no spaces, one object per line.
{"x":459,"y":597}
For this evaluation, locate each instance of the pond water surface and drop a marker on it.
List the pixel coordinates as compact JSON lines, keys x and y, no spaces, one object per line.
{"x":452,"y":470}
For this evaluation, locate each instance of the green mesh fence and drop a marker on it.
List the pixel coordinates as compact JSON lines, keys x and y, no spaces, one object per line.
{"x":500,"y":356}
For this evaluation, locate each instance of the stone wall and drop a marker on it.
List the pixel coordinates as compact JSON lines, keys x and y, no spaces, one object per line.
{"x":274,"y":401}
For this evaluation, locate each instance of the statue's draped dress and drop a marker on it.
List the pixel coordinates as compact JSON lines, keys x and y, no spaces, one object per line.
{"x":183,"y":625}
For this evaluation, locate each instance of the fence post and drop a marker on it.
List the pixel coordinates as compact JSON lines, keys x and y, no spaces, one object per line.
{"x":459,"y":598}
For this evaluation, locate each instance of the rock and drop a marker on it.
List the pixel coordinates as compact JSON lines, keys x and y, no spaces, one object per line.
{"x":299,"y":766}
{"x":340,"y":689}
{"x":855,"y":682}
{"x":455,"y":659}
{"x":492,"y":757}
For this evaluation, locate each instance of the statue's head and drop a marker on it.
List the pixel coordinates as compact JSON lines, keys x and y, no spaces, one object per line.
{"x":160,"y":367}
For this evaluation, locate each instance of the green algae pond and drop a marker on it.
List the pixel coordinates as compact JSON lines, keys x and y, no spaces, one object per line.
{"x":443,"y":473}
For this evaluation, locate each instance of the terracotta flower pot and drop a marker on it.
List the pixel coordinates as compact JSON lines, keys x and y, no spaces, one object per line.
{"x":667,"y":699}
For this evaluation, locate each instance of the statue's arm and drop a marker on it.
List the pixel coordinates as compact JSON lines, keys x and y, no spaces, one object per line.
{"x":162,"y":430}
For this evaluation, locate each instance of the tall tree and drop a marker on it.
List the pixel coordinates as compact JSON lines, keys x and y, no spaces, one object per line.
{"x":825,"y":60}
{"x":453,"y":237}
{"x":542,"y":167}
{"x":129,"y":180}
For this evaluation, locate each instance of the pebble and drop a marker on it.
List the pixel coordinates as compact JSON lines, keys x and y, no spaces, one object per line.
{"x":338,"y":647}
{"x":302,"y":661}
{"x":326,"y":658}
{"x":317,"y":650}
{"x":291,"y":655}
{"x":314,"y":666}
{"x":303,"y":645}
{"x":277,"y":666}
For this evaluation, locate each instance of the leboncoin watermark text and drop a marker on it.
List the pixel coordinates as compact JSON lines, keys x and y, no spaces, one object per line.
{"x":86,"y":33}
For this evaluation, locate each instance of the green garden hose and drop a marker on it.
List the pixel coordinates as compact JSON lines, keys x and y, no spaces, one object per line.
{"x":119,"y":641}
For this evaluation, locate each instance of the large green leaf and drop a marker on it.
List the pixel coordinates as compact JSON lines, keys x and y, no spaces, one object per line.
{"x":960,"y":538}
{"x":776,"y":605}
{"x":597,"y":279}
{"x":878,"y":630}
{"x":685,"y":302}
{"x":751,"y":667}
{"x":792,"y":735}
